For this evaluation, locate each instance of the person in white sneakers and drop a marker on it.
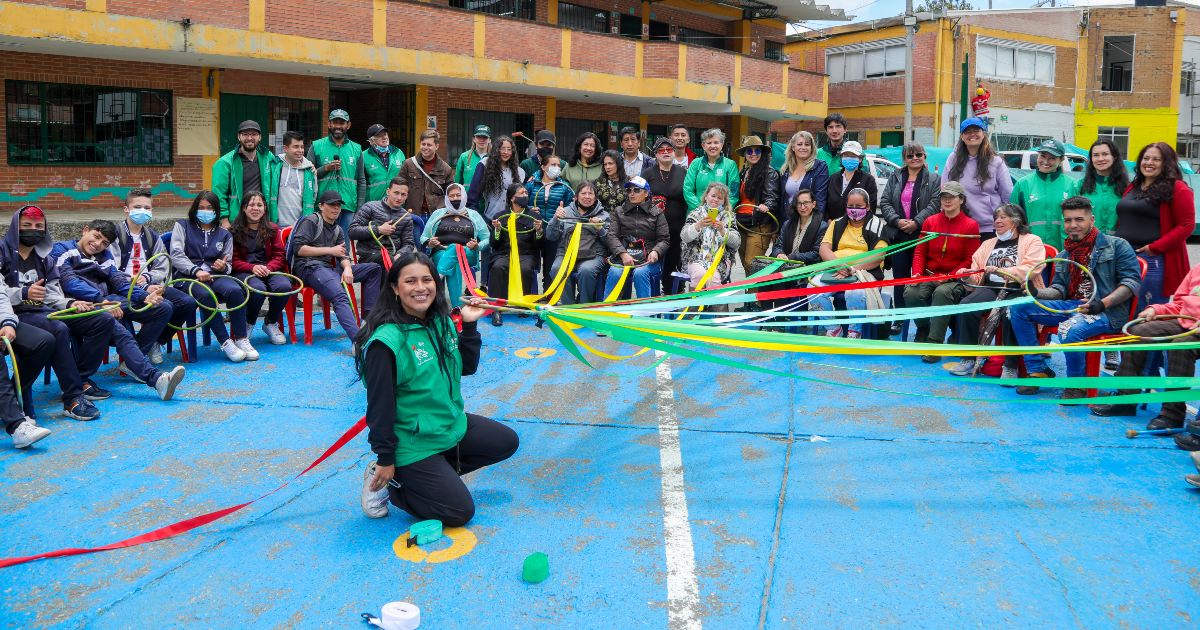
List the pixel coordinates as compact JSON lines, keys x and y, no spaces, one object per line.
{"x":23,"y":430}
{"x":258,"y":252}
{"x":203,"y":250}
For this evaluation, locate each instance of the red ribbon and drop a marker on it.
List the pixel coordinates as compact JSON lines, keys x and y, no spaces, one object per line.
{"x":184,"y":526}
{"x":851,"y":286}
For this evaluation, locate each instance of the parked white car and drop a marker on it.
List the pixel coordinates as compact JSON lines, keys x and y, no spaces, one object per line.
{"x":1027,"y":160}
{"x":881,"y":169}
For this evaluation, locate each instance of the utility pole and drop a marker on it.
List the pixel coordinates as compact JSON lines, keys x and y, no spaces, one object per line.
{"x":910,"y":25}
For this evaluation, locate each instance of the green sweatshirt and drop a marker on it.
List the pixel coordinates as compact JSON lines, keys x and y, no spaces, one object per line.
{"x":576,"y":175}
{"x":464,"y":169}
{"x":324,"y":151}
{"x":831,"y":159}
{"x":1104,"y":200}
{"x":1041,"y":195}
{"x":227,"y":180}
{"x":700,"y":174}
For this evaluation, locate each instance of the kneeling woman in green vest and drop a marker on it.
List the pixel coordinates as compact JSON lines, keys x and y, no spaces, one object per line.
{"x":411,"y":359}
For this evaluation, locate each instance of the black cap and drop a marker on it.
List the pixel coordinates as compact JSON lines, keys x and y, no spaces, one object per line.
{"x":545,"y":135}
{"x":661,"y":142}
{"x":331,"y":197}
{"x":375,"y":130}
{"x":249,"y":125}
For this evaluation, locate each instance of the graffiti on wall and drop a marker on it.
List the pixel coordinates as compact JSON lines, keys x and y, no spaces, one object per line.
{"x":81,"y":189}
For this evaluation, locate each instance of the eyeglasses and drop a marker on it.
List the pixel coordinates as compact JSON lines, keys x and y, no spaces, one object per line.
{"x":806,"y":203}
{"x":753,"y":151}
{"x":914,"y":156}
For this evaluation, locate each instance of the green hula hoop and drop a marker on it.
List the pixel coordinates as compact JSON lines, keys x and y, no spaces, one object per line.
{"x":1029,"y":277}
{"x":298,"y":289}
{"x":211,"y":314}
{"x":1187,"y":332}
{"x":70,"y":313}
{"x":16,"y":370}
{"x":133,"y":283}
{"x":217,"y":309}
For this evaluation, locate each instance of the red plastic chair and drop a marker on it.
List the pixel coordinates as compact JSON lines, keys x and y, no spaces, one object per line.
{"x":307,"y":295}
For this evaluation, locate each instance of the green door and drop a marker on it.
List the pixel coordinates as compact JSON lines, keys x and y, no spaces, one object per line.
{"x":238,"y":107}
{"x":891,"y":138}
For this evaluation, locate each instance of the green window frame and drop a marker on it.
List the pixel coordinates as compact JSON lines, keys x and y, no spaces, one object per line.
{"x":59,"y":124}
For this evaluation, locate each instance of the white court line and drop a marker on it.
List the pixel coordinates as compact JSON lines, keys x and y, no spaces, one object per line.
{"x":683,"y":593}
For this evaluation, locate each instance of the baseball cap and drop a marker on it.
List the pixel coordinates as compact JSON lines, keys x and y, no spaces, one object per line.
{"x":637,"y":181}
{"x":851,"y":146}
{"x":249,"y":125}
{"x":974,"y":121}
{"x":1053,"y":147}
{"x":545,"y":135}
{"x":953,"y":188}
{"x":339,"y":114}
{"x":375,"y":130}
{"x":331,"y":197}
{"x":483,"y":130}
{"x":662,"y":142}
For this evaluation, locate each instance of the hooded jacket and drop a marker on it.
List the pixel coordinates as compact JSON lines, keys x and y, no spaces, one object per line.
{"x":152,"y":245}
{"x":369,"y":217}
{"x":545,"y":198}
{"x":91,"y":279}
{"x":308,"y":190}
{"x":227,"y":180}
{"x":16,"y":286}
{"x":591,"y":237}
{"x":464,"y":168}
{"x":492,"y":205}
{"x":700,"y":174}
{"x":193,"y":250}
{"x":435,"y":219}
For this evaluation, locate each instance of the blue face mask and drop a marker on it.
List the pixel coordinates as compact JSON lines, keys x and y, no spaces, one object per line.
{"x":850,"y":163}
{"x":140,"y":216}
{"x":206,"y":216}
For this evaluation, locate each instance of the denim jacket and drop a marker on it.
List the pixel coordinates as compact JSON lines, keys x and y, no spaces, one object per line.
{"x":1113,"y":262}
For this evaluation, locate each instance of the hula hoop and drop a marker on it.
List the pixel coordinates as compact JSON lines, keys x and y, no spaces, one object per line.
{"x":756,"y":214}
{"x":1187,"y":332}
{"x":217,"y":309}
{"x":211,"y":314}
{"x":70,"y":313}
{"x":1001,"y":272}
{"x":133,"y":283}
{"x":619,"y":265}
{"x":272,"y":294}
{"x":16,"y":370}
{"x":1029,"y":277}
{"x":505,"y":227}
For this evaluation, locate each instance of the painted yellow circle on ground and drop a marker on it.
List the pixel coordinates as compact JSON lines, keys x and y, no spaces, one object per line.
{"x":535,"y":353}
{"x":463,"y":543}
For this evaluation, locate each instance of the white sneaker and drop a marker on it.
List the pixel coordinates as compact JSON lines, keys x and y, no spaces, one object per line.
{"x":248,"y":350}
{"x":156,"y":356}
{"x":1009,"y":372}
{"x":168,"y":381}
{"x":275,"y":334}
{"x":232,"y":351}
{"x":374,"y":502}
{"x":29,"y":432}
{"x":124,"y":369}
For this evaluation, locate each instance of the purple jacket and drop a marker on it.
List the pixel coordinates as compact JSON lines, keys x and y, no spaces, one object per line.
{"x":983,"y":201}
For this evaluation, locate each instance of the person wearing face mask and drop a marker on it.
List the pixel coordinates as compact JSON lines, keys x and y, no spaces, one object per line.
{"x":257,"y":254}
{"x":708,"y":228}
{"x":386,"y":220}
{"x":469,"y":160}
{"x":852,"y":175}
{"x":982,"y":173}
{"x":136,"y":243}
{"x":337,"y":159}
{"x":856,"y":232}
{"x":244,"y":169}
{"x":450,"y":228}
{"x":527,"y":238}
{"x":293,"y":183}
{"x":380,"y":164}
{"x":544,"y":145}
{"x":547,"y":193}
{"x":590,"y":263}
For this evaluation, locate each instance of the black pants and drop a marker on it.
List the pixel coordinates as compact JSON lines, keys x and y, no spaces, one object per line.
{"x":671,"y":260}
{"x":432,"y":488}
{"x":498,"y":275}
{"x":34,"y":348}
{"x":1179,"y":362}
{"x":92,"y":329}
{"x":549,"y":251}
{"x":968,"y":324}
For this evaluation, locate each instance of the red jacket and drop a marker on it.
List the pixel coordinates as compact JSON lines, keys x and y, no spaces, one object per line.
{"x":1176,"y":220}
{"x":274,"y":253}
{"x":946,"y":254}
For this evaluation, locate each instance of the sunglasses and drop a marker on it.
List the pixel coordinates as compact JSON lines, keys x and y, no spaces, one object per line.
{"x":666,"y":150}
{"x":753,"y":151}
{"x":914,"y":155}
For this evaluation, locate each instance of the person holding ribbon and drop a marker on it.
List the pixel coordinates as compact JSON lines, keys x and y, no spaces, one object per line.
{"x":519,"y":231}
{"x":589,"y":262}
{"x":758,"y":209}
{"x":1084,"y":304}
{"x":411,"y":358}
{"x":202,"y":250}
{"x":856,"y":233}
{"x":547,"y":193}
{"x":384,"y":223}
{"x":453,"y":228}
{"x":709,"y":229}
{"x":258,"y":260}
{"x":639,"y":235}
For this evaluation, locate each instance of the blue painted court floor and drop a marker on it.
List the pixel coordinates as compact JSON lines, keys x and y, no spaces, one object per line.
{"x":687,"y":496}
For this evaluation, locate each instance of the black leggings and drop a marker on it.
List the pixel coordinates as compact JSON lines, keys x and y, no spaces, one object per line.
{"x":432,"y":488}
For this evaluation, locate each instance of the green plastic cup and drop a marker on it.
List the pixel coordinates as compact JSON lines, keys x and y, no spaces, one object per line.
{"x":536,"y":569}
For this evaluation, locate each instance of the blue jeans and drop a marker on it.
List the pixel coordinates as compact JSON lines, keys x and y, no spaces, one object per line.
{"x":1071,"y":328}
{"x":586,"y":277}
{"x":1152,"y":285}
{"x":642,"y":277}
{"x":327,"y":282}
{"x":856,"y":300}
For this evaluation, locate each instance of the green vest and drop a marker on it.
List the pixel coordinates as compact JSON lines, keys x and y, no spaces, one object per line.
{"x":1041,"y":195}
{"x":344,"y":181}
{"x":430,"y":413}
{"x":227,"y":180}
{"x":378,"y":174}
{"x":464,"y":170}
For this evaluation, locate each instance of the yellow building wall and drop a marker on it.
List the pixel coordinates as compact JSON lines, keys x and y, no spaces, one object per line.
{"x":1145,"y":126}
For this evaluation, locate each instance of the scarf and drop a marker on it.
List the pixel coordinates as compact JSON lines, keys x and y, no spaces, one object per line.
{"x":1081,"y":252}
{"x":800,"y":232}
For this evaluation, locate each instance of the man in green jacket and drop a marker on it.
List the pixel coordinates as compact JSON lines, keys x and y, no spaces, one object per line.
{"x":380,"y":164}
{"x":337,"y":159}
{"x":831,"y":154}
{"x":708,"y":168}
{"x":464,"y":170}
{"x":1041,"y":194}
{"x":245,"y":169}
{"x":544,"y":143}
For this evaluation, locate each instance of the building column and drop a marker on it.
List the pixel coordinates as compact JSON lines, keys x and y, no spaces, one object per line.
{"x":739,"y":129}
{"x":551,"y":113}
{"x":742,"y":33}
{"x":420,"y":111}
{"x":552,"y":11}
{"x":645,"y":20}
{"x":210,"y":88}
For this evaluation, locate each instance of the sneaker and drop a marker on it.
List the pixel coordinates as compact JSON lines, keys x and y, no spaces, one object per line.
{"x":92,"y":391}
{"x":1160,"y":423}
{"x":27,"y":433}
{"x":1029,"y":390}
{"x":833,"y":332}
{"x":232,"y":351}
{"x":1009,"y":372}
{"x":374,"y":502}
{"x":853,"y":334}
{"x":1109,"y":411}
{"x":128,"y":372}
{"x":248,"y":350}
{"x":81,"y":409}
{"x":275,"y":334}
{"x":156,"y":355}
{"x":1112,"y":360}
{"x":497,"y":319}
{"x":168,"y":381}
{"x":966,"y":367}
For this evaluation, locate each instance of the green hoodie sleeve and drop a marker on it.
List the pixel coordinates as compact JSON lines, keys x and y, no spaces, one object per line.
{"x":690,"y":196}
{"x":734,"y":181}
{"x":220,"y":179}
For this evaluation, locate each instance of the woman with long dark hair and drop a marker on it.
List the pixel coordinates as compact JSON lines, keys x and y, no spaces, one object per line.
{"x":411,"y":358}
{"x":758,"y":197}
{"x":585,"y":161}
{"x":257,"y":253}
{"x":909,"y":197}
{"x":610,"y":186}
{"x":500,"y":170}
{"x":982,"y":173}
{"x":1156,"y":215}
{"x":1104,"y":181}
{"x":526,"y":237}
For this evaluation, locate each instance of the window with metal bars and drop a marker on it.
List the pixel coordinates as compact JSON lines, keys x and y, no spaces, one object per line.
{"x":51,"y":123}
{"x":581,"y":18}
{"x":524,"y":9}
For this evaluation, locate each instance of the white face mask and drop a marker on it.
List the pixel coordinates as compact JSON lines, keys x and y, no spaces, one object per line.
{"x":1004,"y":236}
{"x":553,"y":172}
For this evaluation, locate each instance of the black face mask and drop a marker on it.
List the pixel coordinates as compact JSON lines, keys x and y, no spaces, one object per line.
{"x":522,"y":202}
{"x":544,"y":151}
{"x":29,"y":238}
{"x":455,"y":204}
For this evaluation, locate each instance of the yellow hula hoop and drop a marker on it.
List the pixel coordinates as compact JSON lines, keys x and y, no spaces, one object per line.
{"x":756,"y":213}
{"x":1029,"y":277}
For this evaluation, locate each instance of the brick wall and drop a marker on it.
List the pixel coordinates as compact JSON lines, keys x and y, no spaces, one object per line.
{"x":762,"y":32}
{"x":705,"y":65}
{"x":349,"y":21}
{"x":274,"y":84}
{"x":695,"y":121}
{"x":231,"y":13}
{"x":1155,"y":82}
{"x":78,"y":5}
{"x":455,"y":31}
{"x":806,"y":86}
{"x":1058,"y":23}
{"x":34,"y":181}
{"x":660,"y":60}
{"x":519,"y":40}
{"x":603,"y":53}
{"x":1021,"y":95}
{"x":441,"y":100}
{"x":762,"y":75}
{"x":687,"y":19}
